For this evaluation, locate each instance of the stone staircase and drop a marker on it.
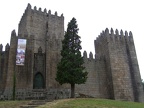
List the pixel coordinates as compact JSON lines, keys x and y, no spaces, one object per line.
{"x":34,"y":103}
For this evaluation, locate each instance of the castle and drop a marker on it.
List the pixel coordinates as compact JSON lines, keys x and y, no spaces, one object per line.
{"x":112,"y":74}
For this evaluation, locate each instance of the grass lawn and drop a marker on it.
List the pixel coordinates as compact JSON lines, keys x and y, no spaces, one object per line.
{"x":12,"y":104}
{"x":91,"y":103}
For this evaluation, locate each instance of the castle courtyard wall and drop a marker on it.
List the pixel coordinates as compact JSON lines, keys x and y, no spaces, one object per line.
{"x":112,"y":74}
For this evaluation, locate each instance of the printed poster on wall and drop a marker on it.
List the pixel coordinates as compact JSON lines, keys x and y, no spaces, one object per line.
{"x":21,"y":48}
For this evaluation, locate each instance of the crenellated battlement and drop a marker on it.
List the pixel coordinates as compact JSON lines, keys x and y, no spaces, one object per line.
{"x":7,"y":47}
{"x":30,"y":10}
{"x":85,"y":54}
{"x":90,"y":58}
{"x":33,"y":17}
{"x":1,"y":47}
{"x":109,"y":37}
{"x":114,"y":36}
{"x":13,"y":33}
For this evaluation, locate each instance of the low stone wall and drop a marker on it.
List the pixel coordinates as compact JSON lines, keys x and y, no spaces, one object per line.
{"x":36,"y":94}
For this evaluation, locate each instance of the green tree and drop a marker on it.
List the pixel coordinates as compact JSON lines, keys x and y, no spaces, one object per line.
{"x":70,"y":69}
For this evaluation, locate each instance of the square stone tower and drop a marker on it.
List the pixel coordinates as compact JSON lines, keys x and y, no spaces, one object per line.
{"x":114,"y":72}
{"x":43,"y":33}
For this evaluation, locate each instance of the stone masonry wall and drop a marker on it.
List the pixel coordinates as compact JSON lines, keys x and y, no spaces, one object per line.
{"x":91,"y":86}
{"x":33,"y":22}
{"x":113,"y":73}
{"x":134,"y":69}
{"x":48,"y":32}
{"x":24,"y":76}
{"x":1,"y":67}
{"x":42,"y":25}
{"x":121,"y":77}
{"x":101,"y":50}
{"x":11,"y":65}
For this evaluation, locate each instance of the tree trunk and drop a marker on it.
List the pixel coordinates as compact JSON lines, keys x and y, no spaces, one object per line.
{"x":72,"y":90}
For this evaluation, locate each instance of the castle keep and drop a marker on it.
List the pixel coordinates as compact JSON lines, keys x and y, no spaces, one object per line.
{"x":113,"y":73}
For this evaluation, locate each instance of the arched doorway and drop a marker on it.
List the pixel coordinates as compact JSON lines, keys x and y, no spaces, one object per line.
{"x":38,"y":81}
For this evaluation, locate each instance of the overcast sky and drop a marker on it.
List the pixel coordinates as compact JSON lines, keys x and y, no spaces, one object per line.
{"x":92,"y":16}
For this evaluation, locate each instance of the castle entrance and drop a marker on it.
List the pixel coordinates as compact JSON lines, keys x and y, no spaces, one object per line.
{"x":38,"y":81}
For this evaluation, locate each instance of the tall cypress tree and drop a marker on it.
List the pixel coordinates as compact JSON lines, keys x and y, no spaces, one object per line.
{"x":70,"y":69}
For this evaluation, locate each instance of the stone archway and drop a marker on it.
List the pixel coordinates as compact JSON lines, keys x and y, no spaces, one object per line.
{"x":38,"y":81}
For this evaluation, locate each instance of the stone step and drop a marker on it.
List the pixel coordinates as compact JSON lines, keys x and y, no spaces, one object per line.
{"x":34,"y":103}
{"x":29,"y":106}
{"x":37,"y":103}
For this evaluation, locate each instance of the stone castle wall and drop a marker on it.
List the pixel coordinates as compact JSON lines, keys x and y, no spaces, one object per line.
{"x":112,"y":74}
{"x":4,"y":55}
{"x":115,"y":68}
{"x":117,"y":60}
{"x":96,"y":84}
{"x":40,"y":29}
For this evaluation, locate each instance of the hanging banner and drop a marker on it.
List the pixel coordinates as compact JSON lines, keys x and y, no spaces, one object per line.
{"x":21,"y":48}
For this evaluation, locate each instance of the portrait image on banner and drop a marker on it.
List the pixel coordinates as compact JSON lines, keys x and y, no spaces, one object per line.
{"x":21,"y":48}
